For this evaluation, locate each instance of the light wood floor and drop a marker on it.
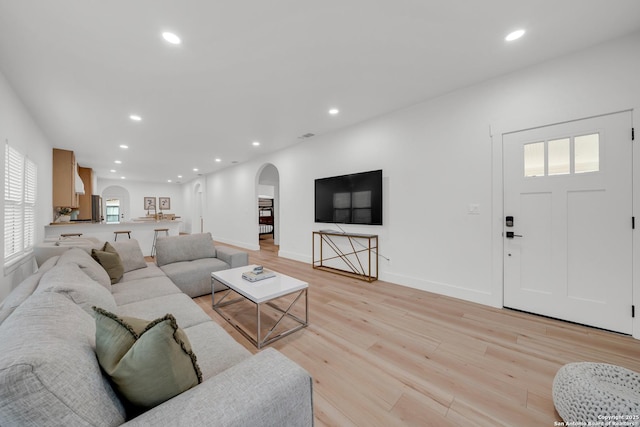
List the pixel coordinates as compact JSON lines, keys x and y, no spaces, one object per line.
{"x":386,"y":355}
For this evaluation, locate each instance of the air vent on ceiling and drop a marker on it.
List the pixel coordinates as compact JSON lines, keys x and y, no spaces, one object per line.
{"x":306,"y":135}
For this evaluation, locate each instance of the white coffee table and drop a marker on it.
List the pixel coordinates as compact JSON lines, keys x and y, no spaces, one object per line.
{"x":261,"y":292}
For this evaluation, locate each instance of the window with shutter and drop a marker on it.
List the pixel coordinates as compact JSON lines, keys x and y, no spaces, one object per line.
{"x":20,"y":180}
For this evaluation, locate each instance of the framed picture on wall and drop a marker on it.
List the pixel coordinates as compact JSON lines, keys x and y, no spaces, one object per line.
{"x":165,"y":203}
{"x":149,"y":203}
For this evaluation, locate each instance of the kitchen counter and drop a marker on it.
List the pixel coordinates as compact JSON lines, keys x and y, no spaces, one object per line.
{"x":142,"y":231}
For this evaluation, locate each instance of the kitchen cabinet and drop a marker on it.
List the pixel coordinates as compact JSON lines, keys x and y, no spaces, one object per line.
{"x":64,"y":174}
{"x":84,"y":200}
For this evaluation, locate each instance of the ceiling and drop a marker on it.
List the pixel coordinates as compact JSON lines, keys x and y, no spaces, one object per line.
{"x":267,"y":71}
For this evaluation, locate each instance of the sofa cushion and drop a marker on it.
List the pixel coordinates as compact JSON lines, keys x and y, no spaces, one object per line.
{"x":78,"y":241}
{"x":109,"y":259}
{"x":88,"y":265}
{"x":69,"y":280}
{"x":232,"y":256}
{"x":24,"y":290}
{"x":194,"y":277}
{"x":131,"y":254}
{"x":48,"y":368}
{"x":142,"y":289}
{"x":133,"y":352}
{"x":221,"y":350}
{"x":183,"y":308}
{"x":265,"y":390}
{"x":170,"y":249}
{"x":47,"y":249}
{"x":152,"y":270}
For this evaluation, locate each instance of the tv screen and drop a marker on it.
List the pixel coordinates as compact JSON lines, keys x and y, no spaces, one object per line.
{"x":350,"y":199}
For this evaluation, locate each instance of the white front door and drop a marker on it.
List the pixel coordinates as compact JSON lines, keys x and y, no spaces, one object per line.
{"x":568,"y":253}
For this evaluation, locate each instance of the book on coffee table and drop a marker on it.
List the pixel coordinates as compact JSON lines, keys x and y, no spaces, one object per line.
{"x":254,"y":277}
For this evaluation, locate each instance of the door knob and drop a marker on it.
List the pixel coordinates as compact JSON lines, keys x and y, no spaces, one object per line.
{"x":511,"y":235}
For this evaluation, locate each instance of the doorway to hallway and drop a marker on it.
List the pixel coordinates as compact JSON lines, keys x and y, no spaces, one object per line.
{"x":268,"y":206}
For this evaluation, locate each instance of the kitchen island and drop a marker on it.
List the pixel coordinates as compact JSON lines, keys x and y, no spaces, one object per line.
{"x":142,"y":231}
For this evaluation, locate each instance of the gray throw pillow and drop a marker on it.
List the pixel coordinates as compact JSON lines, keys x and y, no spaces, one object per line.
{"x":130,"y":254}
{"x":133,"y":352}
{"x":109,"y":259}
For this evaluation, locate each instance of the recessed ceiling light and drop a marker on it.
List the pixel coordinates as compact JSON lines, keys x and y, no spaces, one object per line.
{"x":122,"y":177}
{"x":168,"y":180}
{"x":195,"y":169}
{"x":514,"y":35}
{"x":179,"y":176}
{"x":124,"y":146}
{"x":334,"y":111}
{"x":135,"y":117}
{"x":112,"y":171}
{"x":256,"y":143}
{"x":118,"y":162}
{"x":218,"y":160}
{"x":171,"y":38}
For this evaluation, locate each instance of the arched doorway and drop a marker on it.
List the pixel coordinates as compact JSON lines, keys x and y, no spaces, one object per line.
{"x":197,"y":224}
{"x":268,"y":197}
{"x":115,"y":203}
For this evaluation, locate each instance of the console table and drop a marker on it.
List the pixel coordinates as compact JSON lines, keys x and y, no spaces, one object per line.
{"x":351,"y":255}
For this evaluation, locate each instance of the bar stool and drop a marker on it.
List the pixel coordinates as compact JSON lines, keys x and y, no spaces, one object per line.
{"x":155,"y":237}
{"x":70,"y":235}
{"x":127,"y":232}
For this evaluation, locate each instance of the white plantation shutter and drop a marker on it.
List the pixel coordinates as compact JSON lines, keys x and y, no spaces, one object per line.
{"x":13,"y":164}
{"x":30,"y":181}
{"x":19,"y":204}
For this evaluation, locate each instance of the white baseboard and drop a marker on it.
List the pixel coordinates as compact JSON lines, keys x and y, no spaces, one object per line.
{"x":243,"y":245}
{"x":295,"y":256}
{"x":446,"y":289}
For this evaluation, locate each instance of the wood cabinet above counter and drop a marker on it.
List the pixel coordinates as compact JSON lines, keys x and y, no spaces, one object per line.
{"x":84,"y":200}
{"x":72,"y":184}
{"x":64,"y":175}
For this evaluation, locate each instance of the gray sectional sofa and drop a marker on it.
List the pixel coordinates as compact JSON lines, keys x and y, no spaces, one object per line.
{"x":50,"y":374}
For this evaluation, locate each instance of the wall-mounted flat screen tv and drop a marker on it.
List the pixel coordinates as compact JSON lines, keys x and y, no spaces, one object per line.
{"x":350,"y":199}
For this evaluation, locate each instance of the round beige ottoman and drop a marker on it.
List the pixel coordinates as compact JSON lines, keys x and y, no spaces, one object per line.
{"x":597,"y":392}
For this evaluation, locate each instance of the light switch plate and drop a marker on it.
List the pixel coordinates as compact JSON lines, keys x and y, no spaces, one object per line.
{"x":474,"y":209}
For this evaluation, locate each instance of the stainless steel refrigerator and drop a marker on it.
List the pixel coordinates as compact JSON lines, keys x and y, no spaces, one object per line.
{"x":96,"y":209}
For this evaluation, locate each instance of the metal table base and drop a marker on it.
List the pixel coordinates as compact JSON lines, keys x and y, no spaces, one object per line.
{"x":260,"y":341}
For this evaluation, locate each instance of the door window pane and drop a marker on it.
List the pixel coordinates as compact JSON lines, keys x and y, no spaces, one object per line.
{"x":113,"y":211}
{"x":587,"y":153}
{"x":534,"y":159}
{"x":560,"y":156}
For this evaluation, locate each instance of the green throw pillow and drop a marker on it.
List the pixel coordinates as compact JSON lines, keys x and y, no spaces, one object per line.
{"x":109,"y":259}
{"x":148,"y":362}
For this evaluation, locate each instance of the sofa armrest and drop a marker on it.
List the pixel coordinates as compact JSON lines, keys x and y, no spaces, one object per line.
{"x":233,"y":257}
{"x":266,"y":389}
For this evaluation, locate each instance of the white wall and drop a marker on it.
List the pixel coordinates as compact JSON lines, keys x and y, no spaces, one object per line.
{"x":137,"y":191}
{"x":194,"y":196}
{"x":231,"y":207}
{"x":437,"y":157}
{"x":18,"y":128}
